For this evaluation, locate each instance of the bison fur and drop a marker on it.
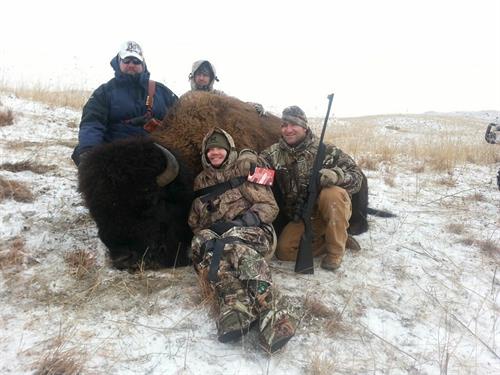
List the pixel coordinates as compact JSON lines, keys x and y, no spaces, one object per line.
{"x":144,"y":225}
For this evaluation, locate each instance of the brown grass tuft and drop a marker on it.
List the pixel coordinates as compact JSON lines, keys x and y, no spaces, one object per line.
{"x":368,"y":163}
{"x":80,"y":263}
{"x":455,"y":228}
{"x":60,"y":360}
{"x":318,"y":309}
{"x":207,"y":292}
{"x":55,"y":97}
{"x":10,"y":189}
{"x":6,"y":117}
{"x":322,"y":365}
{"x":477,"y":197}
{"x":12,"y":254}
{"x":389,"y":180}
{"x":447,"y":180}
{"x":489,"y":247}
{"x":418,"y":168}
{"x":467,"y":241}
{"x":27,"y":166}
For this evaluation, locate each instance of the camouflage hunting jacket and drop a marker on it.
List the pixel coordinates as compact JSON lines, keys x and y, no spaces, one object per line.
{"x":294,"y":165}
{"x":233,"y":202}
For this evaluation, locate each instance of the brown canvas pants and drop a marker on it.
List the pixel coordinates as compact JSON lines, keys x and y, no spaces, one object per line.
{"x":330,"y":221}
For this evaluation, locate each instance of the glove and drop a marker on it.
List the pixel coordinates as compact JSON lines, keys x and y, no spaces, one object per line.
{"x":260,"y":109}
{"x":249,"y":219}
{"x":246,"y":162}
{"x":331,"y":177}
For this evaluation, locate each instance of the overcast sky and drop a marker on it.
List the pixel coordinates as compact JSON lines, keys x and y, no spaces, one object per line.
{"x":384,"y":56}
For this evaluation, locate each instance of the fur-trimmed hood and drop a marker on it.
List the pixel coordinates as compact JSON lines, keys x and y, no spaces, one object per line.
{"x":232,"y":154}
{"x":195,"y":67}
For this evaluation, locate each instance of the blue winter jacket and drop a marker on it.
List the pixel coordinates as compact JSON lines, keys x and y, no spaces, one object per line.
{"x":123,"y":98}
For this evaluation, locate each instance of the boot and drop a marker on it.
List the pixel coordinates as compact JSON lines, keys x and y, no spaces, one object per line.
{"x":330,"y":262}
{"x":236,"y":314}
{"x":352,"y":243}
{"x":277,"y":326}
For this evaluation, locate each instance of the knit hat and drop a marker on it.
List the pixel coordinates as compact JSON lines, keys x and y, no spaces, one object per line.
{"x":217,"y":140}
{"x":295,"y":115}
{"x":131,"y":49}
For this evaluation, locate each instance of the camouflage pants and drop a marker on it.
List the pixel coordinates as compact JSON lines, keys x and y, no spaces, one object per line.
{"x":243,"y":257}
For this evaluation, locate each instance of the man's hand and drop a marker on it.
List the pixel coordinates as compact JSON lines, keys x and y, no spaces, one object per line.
{"x":259,"y":108}
{"x":246,"y":162}
{"x":331,"y":177}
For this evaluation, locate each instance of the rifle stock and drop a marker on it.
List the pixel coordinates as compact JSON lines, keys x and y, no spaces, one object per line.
{"x":305,"y":263}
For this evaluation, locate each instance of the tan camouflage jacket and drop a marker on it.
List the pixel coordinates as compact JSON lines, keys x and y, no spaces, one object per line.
{"x":293,"y":167}
{"x":232,"y":202}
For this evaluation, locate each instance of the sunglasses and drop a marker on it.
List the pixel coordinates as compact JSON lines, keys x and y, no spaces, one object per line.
{"x":131,"y":60}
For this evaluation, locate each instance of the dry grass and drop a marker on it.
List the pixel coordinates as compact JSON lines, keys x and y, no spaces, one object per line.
{"x":477,"y":197}
{"x":455,"y":228}
{"x":437,"y":143}
{"x":489,"y":247}
{"x":389,"y":180}
{"x":80,"y":263}
{"x":207,"y":292}
{"x":368,"y":163}
{"x":316,"y":308}
{"x":6,"y":117}
{"x":418,"y":168}
{"x":468,"y":241}
{"x":333,"y":318}
{"x":12,"y":254}
{"x":54,"y":97}
{"x":448,"y":181}
{"x":10,"y":189}
{"x":61,"y":360}
{"x":27,"y":165}
{"x":322,"y":365}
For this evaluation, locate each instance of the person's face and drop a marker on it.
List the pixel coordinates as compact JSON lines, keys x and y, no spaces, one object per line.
{"x":216,"y":156}
{"x":292,"y":134}
{"x":201,"y":79}
{"x":131,"y":65}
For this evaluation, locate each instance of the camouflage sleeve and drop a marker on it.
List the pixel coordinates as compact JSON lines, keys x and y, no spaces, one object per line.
{"x":265,"y":157}
{"x":353,"y":176}
{"x":194,"y":217}
{"x":262,"y":201}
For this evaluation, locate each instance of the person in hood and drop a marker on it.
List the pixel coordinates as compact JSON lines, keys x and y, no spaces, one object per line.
{"x":203,"y":76}
{"x":117,"y":109}
{"x":293,"y":158}
{"x":233,"y":236}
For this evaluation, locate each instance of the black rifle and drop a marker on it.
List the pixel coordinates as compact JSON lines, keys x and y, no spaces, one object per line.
{"x":305,"y":263}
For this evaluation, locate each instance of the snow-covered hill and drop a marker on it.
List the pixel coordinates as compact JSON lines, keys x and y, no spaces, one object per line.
{"x":421,"y":297}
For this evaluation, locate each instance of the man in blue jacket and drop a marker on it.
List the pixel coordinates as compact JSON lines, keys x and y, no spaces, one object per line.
{"x":117,"y":109}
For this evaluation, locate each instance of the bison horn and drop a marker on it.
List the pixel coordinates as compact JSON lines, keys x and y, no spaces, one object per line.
{"x":172,"y":170}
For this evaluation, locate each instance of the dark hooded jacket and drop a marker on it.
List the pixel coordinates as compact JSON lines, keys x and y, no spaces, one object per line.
{"x":123,"y":98}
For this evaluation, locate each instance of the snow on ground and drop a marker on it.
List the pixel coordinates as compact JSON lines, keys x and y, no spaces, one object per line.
{"x":417,"y":299}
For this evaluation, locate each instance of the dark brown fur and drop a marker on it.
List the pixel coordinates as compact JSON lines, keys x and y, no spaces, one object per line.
{"x":196,"y":113}
{"x":145,"y":226}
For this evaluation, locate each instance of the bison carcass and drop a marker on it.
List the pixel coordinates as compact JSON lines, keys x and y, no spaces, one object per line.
{"x":144,"y":224}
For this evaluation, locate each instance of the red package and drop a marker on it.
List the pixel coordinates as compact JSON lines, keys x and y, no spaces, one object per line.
{"x":262,"y":176}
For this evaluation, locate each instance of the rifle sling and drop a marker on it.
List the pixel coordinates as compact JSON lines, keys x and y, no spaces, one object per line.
{"x":210,"y":192}
{"x":216,"y":245}
{"x":140,"y":120}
